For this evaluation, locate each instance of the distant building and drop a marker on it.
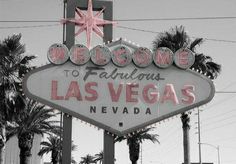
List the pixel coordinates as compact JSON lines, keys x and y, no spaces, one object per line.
{"x":13,"y":152}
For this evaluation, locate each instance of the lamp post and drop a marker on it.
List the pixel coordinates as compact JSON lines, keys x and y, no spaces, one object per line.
{"x":216,"y":147}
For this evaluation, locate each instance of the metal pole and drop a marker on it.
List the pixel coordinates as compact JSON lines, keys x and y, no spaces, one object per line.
{"x":218,"y":150}
{"x":109,"y":144}
{"x":199,"y":138}
{"x":61,"y":132}
{"x":141,"y":153}
{"x":64,"y":26}
{"x":63,"y":42}
{"x":66,"y":143}
{"x":67,"y":119}
{"x":109,"y":149}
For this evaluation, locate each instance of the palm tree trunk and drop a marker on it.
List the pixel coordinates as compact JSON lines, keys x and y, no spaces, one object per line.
{"x":24,"y":157}
{"x":25,"y":143}
{"x":134,"y":148}
{"x":54,"y":162}
{"x":55,"y":157}
{"x":2,"y":143}
{"x":185,"y":125}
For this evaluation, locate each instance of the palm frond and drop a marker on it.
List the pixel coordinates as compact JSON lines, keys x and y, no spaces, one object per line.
{"x":196,"y":42}
{"x":44,"y":150}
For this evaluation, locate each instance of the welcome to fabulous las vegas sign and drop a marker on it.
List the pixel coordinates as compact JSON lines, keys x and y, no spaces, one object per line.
{"x":119,"y":87}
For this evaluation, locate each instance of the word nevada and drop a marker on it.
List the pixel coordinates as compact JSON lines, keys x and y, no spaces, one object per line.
{"x":121,"y":55}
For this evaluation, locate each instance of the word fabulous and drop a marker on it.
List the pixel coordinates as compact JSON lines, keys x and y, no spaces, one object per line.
{"x":121,"y":55}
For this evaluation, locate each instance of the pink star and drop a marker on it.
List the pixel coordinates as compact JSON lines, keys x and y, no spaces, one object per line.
{"x":89,"y":22}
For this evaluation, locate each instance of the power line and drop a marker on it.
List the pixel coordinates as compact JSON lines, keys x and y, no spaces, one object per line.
{"x":137,"y":29}
{"x":124,"y":27}
{"x":225,"y":91}
{"x":219,"y":115}
{"x":211,"y":129}
{"x":217,"y":121}
{"x":31,"y":26}
{"x":155,"y":32}
{"x":29,"y":21}
{"x":175,"y":19}
{"x":137,"y":19}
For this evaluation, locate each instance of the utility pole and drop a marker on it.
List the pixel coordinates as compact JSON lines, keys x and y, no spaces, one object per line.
{"x":218,"y":150}
{"x":199,"y":137}
{"x":141,"y":154}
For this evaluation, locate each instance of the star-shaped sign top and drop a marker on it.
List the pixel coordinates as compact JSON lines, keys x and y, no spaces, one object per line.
{"x":89,"y":22}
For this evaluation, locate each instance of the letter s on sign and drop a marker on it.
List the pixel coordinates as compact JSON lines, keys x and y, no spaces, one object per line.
{"x":187,"y":91}
{"x":91,"y":91}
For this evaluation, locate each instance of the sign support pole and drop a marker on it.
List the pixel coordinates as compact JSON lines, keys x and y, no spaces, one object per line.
{"x":108,"y":144}
{"x":66,"y":142}
{"x":70,"y":32}
{"x":108,"y":148}
{"x":67,"y":119}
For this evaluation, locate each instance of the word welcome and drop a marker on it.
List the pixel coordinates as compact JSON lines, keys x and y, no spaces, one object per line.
{"x":121,"y":56}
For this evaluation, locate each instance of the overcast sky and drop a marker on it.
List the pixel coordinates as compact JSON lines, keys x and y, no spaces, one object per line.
{"x":218,"y":118}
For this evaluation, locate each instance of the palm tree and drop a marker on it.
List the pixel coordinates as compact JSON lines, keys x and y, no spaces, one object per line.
{"x":175,"y":39}
{"x":99,"y":157}
{"x":36,"y":119}
{"x":54,"y":145}
{"x":88,"y":159}
{"x":134,"y":140}
{"x":186,"y":127}
{"x":13,"y":65}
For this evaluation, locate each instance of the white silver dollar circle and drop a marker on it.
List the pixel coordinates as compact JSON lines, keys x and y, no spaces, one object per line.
{"x":184,"y":58}
{"x":79,"y":54}
{"x":163,"y":57}
{"x":58,"y":54}
{"x":100,"y":55}
{"x":121,"y":56}
{"x":142,"y":57}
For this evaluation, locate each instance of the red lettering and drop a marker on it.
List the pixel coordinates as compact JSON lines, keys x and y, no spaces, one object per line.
{"x":183,"y":58}
{"x":78,"y":54}
{"x":169,"y":94}
{"x":73,"y":91}
{"x":187,"y":91}
{"x":54,"y":90}
{"x":130,"y":92}
{"x":57,"y":54}
{"x":91,"y":91}
{"x":118,"y":54}
{"x":99,"y":56}
{"x":115,"y":95}
{"x":142,"y":57}
{"x":163,"y":58}
{"x":152,"y":96}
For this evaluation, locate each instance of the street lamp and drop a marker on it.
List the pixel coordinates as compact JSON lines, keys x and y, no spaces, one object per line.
{"x":216,"y":147}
